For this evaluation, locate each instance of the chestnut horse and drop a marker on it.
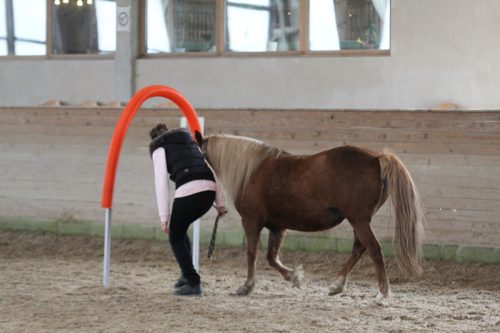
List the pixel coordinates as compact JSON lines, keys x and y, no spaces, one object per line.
{"x":276,"y":190}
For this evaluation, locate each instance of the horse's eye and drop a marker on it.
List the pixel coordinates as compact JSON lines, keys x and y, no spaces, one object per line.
{"x":204,"y":147}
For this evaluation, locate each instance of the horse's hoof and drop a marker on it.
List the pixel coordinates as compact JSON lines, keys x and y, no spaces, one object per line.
{"x":337,"y":288}
{"x":381,"y":300}
{"x":298,"y":277}
{"x":242,"y":291}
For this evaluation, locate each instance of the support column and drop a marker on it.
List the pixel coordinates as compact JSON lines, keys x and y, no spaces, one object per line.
{"x":127,"y":48}
{"x":9,"y":15}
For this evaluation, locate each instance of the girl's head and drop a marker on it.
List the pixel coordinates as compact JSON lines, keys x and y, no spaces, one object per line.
{"x":157,"y":130}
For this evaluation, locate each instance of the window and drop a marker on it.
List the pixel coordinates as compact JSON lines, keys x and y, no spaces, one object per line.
{"x":262,"y":25}
{"x":178,"y":26}
{"x":83,"y":26}
{"x":23,"y":27}
{"x":349,"y":24}
{"x":76,"y":27}
{"x":267,"y":26}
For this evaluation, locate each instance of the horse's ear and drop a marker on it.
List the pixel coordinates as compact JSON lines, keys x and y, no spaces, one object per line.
{"x":198,"y":137}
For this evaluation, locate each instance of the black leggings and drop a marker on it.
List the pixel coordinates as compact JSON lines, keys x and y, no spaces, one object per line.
{"x":185,"y":211}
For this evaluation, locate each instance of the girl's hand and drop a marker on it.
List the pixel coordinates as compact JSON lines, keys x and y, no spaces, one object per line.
{"x":164,"y":227}
{"x":222,"y":211}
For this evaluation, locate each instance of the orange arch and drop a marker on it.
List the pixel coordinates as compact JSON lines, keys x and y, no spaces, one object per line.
{"x":123,"y":124}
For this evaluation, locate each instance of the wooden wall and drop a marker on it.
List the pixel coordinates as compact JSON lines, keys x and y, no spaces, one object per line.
{"x":52,"y":161}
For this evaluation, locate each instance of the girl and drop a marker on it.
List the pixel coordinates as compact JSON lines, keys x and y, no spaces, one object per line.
{"x":176,"y":155}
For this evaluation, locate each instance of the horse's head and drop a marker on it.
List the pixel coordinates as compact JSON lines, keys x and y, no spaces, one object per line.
{"x":202,"y":142}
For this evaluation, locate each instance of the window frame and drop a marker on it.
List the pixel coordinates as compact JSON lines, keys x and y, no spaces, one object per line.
{"x":220,"y":29}
{"x":33,"y":57}
{"x":49,"y":44}
{"x":83,"y":56}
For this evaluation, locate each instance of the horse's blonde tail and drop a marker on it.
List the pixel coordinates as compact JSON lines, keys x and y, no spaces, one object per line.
{"x":406,"y":211}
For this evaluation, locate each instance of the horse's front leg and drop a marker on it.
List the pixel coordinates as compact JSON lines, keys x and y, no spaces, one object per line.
{"x":252,"y":233}
{"x":276,"y":238}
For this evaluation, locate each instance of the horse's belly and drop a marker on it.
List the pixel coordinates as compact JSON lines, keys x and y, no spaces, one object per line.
{"x":315,"y":225}
{"x":308,"y":220}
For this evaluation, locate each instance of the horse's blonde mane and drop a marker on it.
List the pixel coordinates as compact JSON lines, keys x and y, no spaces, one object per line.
{"x":235,"y":158}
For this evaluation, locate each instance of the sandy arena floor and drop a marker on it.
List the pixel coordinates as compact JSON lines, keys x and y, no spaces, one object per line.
{"x":51,"y":283}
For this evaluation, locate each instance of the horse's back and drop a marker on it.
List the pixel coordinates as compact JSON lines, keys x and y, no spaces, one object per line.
{"x":334,"y":167}
{"x":349,"y":160}
{"x":352,"y":154}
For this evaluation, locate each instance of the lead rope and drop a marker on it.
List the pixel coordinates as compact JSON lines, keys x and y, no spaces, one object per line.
{"x":211,"y":247}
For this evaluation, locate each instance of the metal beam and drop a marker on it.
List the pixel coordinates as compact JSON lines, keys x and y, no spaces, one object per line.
{"x":11,"y":36}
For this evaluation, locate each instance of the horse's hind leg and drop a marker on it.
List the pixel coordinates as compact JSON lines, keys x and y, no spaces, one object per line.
{"x":340,"y":282}
{"x":252,"y":233}
{"x":276,"y":238}
{"x":367,"y":238}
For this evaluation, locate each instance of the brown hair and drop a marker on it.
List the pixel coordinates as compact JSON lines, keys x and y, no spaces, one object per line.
{"x":157,"y":130}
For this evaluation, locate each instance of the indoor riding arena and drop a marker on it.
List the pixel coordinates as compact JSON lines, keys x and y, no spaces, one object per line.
{"x":356,"y":142}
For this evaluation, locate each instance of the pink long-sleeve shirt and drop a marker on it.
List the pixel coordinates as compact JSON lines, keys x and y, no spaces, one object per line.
{"x":161,"y":176}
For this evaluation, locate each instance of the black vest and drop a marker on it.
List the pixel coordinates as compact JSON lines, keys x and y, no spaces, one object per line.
{"x":185,"y":162}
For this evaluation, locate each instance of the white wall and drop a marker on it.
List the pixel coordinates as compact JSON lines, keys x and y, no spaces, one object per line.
{"x":441,"y":51}
{"x":30,"y":82}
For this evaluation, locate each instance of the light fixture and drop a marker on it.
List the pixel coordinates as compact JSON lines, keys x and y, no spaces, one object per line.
{"x":65,"y":1}
{"x":79,"y":3}
{"x":57,"y":2}
{"x":89,"y":2}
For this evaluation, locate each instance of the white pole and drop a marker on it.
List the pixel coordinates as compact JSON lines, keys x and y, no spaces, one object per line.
{"x":196,"y":245}
{"x":196,"y":224}
{"x":107,"y":248}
